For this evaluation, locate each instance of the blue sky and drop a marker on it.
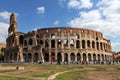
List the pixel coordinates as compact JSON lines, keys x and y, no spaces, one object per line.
{"x":99,"y":15}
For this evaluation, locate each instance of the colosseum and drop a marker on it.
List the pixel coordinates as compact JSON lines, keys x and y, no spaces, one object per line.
{"x":58,"y":44}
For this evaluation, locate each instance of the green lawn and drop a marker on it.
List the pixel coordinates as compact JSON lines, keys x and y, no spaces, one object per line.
{"x":43,"y":71}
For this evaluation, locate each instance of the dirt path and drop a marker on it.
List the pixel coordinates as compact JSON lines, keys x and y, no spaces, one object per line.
{"x":52,"y":77}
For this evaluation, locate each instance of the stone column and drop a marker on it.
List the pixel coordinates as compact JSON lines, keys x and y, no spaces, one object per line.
{"x":75,"y":57}
{"x":74,"y":43}
{"x":62,"y":57}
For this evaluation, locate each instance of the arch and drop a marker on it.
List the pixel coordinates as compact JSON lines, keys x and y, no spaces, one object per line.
{"x":65,"y":43}
{"x":36,"y":57}
{"x":97,"y":45}
{"x":65,"y":57}
{"x":88,"y":44}
{"x":29,"y":57}
{"x":89,"y":56}
{"x":83,"y":43}
{"x":78,"y":57}
{"x":101,"y":46}
{"x":46,"y":57}
{"x":21,"y":39}
{"x":98,"y":58}
{"x":77,"y":36}
{"x":71,"y":43}
{"x":30,"y":42}
{"x":93,"y":44}
{"x":102,"y":57}
{"x":41,"y":42}
{"x":52,"y":57}
{"x":72,"y":57}
{"x":52,"y":43}
{"x":94,"y":58}
{"x":59,"y":42}
{"x":59,"y":57}
{"x":25,"y":57}
{"x":53,"y":36}
{"x":77,"y":44}
{"x":84,"y":57}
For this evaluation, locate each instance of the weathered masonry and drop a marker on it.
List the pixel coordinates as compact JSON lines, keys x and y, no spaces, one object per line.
{"x":64,"y":44}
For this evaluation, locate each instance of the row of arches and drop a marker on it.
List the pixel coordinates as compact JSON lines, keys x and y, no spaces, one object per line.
{"x":66,"y":57}
{"x":78,"y":44}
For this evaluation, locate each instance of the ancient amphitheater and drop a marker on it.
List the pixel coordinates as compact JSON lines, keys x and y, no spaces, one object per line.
{"x":58,"y":44}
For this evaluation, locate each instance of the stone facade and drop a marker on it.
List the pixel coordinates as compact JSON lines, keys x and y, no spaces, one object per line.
{"x":63,"y":44}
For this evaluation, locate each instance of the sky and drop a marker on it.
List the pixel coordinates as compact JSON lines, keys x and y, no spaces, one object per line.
{"x":98,"y":15}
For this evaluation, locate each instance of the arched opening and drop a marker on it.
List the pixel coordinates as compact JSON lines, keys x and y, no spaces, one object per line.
{"x":52,"y":43}
{"x":78,"y":57}
{"x":77,"y":44}
{"x":71,"y":43}
{"x":25,"y":42}
{"x":25,"y":57}
{"x":59,"y":43}
{"x":94,"y":58}
{"x":21,"y":39}
{"x":30,"y":42}
{"x":41,"y":42}
{"x":72,"y":57}
{"x":29,"y":57}
{"x":65,"y":43}
{"x":89,"y":57}
{"x":101,"y":46}
{"x":88,"y":44}
{"x":98,"y":58}
{"x":52,"y":57}
{"x":53,"y":36}
{"x":102,"y":57}
{"x":105,"y":57}
{"x":83,"y":43}
{"x":84,"y":57}
{"x":36,"y":57}
{"x":46,"y":57}
{"x":59,"y":57}
{"x":97,"y":45}
{"x":77,"y":36}
{"x":65,"y":57}
{"x":93,"y":44}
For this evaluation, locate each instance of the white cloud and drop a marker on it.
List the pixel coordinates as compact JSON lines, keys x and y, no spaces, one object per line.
{"x":105,"y":18}
{"x":5,"y":14}
{"x":78,"y":4}
{"x":56,"y":22}
{"x":41,"y":10}
{"x":3,"y":31}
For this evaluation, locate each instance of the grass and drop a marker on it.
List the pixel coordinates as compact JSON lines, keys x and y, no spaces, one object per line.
{"x":90,"y":71}
{"x":77,"y":72}
{"x":12,"y":78}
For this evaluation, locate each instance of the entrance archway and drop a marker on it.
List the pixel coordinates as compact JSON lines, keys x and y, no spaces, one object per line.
{"x":72,"y":57}
{"x":59,"y":57}
{"x":36,"y":57}
{"x":78,"y":57}
{"x":84,"y":57}
{"x":94,"y":58}
{"x":65,"y":57}
{"x":53,"y":57}
{"x":29,"y":57}
{"x":46,"y":57}
{"x":89,"y":57}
